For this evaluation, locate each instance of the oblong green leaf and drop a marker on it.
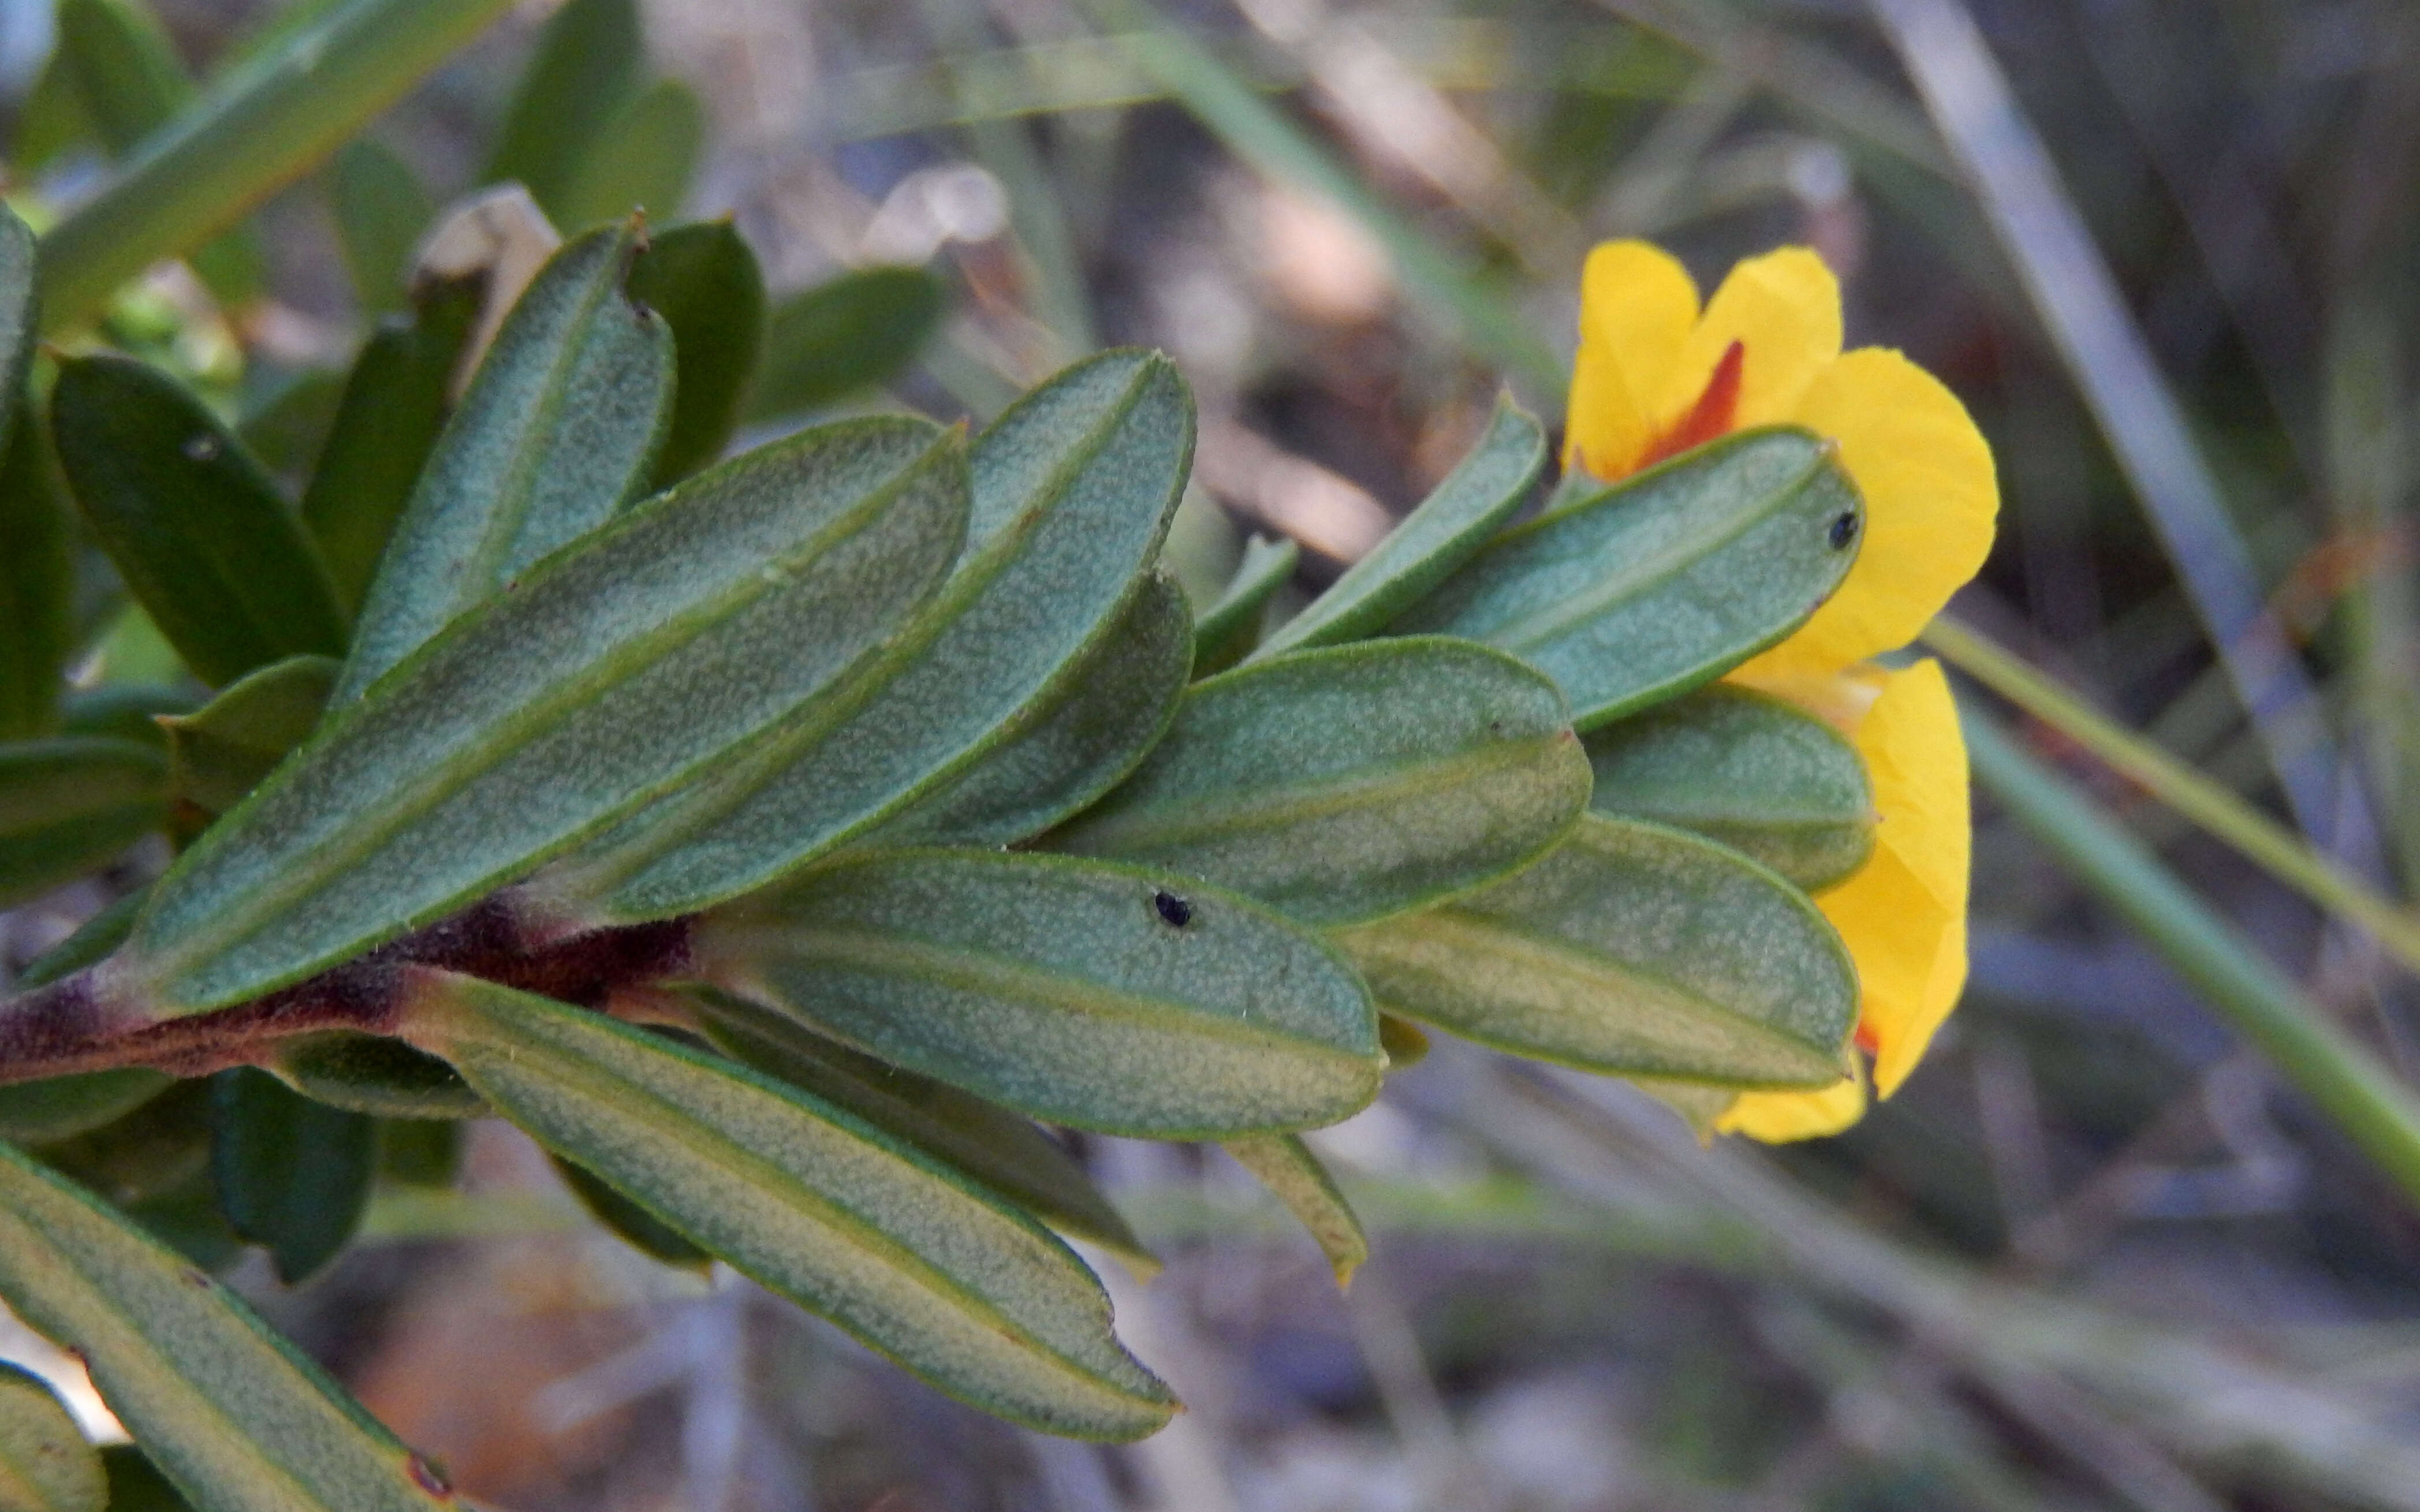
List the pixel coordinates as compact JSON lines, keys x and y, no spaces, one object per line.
{"x":815,"y":1204}
{"x":193,"y":523}
{"x":233,"y":1415}
{"x":1776,"y":784}
{"x":1229,"y":628}
{"x":381,"y":211}
{"x":1071,"y":491}
{"x":371,"y":1073}
{"x":1079,"y":739}
{"x":136,"y":1484}
{"x":627,"y":1221}
{"x":640,"y":160}
{"x":621,"y":666}
{"x":588,"y":61}
{"x":292,"y":1174}
{"x":705,"y":283}
{"x":988,"y":1146}
{"x":69,"y":803}
{"x":93,"y":939}
{"x":1666,"y":579}
{"x":558,"y":431}
{"x":125,"y":711}
{"x":1287,"y":1167}
{"x":36,"y":572}
{"x":45,"y":1464}
{"x":221,"y":751}
{"x":1633,"y":949}
{"x":1449,"y":526}
{"x":1097,"y":997}
{"x":62,"y":1107}
{"x":285,"y":429}
{"x":852,"y":332}
{"x":1351,"y":782}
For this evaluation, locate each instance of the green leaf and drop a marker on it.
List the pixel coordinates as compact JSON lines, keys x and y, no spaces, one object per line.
{"x":1776,"y":784}
{"x":126,"y":711}
{"x":640,"y":160}
{"x":51,"y":118}
{"x":1230,"y":627}
{"x":136,"y":1484}
{"x":395,"y":401}
{"x":645,"y":654}
{"x":1351,"y":782}
{"x":1451,"y":525}
{"x":852,"y":332}
{"x":1633,"y":949}
{"x":1071,"y":491}
{"x":817,"y":1205}
{"x":705,"y":283}
{"x":286,"y":430}
{"x":557,"y":431}
{"x":1288,"y":1168}
{"x":990,"y":1147}
{"x":381,"y":211}
{"x":1096,"y":996}
{"x":421,"y":1151}
{"x":1078,"y":740}
{"x":62,"y":1107}
{"x":156,"y":1148}
{"x":627,"y":1221}
{"x":93,"y":939}
{"x":234,"y":1415}
{"x":193,"y":523}
{"x":293,"y":1175}
{"x":221,"y":751}
{"x":1666,"y":579}
{"x":69,"y":803}
{"x":37,"y":574}
{"x":371,"y":1073}
{"x":45,"y":1464}
{"x":589,"y":59}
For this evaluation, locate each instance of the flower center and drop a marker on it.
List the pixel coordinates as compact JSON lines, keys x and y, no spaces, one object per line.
{"x":1710,"y":417}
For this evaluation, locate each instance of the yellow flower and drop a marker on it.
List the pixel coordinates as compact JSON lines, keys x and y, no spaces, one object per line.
{"x":1656,"y":376}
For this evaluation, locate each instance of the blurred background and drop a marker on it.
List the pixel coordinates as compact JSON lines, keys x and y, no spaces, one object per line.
{"x":2100,"y":1253}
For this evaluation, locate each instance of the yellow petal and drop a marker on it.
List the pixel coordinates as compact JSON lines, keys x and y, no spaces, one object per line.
{"x":1636,"y":306}
{"x":1784,"y":309}
{"x":1777,"y":1117}
{"x":1903,"y":912}
{"x":1930,"y":502}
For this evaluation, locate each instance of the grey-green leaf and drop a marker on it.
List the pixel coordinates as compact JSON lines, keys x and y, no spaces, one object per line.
{"x":821,"y":1207}
{"x":988,"y":1146}
{"x":621,"y":667}
{"x":1351,"y":782}
{"x":1776,"y":784}
{"x":1666,"y":579}
{"x":557,"y":431}
{"x":69,"y":803}
{"x":45,"y":1464}
{"x":195,"y":527}
{"x":221,"y":750}
{"x":852,"y":332}
{"x":705,"y":283}
{"x":588,"y":62}
{"x":1288,"y":1168}
{"x":381,"y":211}
{"x":292,"y":1174}
{"x":1079,"y":993}
{"x":1633,"y":949}
{"x":1230,"y":627}
{"x":640,"y":160}
{"x":1451,"y":525}
{"x":234,"y":1415}
{"x":1071,"y":491}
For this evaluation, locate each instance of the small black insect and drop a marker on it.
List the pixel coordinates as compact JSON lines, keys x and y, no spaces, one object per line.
{"x":1844,"y":529}
{"x":1174,"y":911}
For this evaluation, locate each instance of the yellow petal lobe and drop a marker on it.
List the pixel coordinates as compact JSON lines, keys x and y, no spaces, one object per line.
{"x":1636,"y":306}
{"x":1784,"y":309}
{"x":1779,"y":1118}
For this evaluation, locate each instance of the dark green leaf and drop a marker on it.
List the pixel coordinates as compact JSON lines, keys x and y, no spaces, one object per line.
{"x":646,"y":654}
{"x":420,"y":1152}
{"x":293,"y":1174}
{"x":370,"y":1074}
{"x":988,"y":1146}
{"x":1405,"y":1044}
{"x":136,"y":1484}
{"x":820,"y":1206}
{"x":705,"y":283}
{"x":640,"y":160}
{"x":1778,"y":785}
{"x":52,"y":120}
{"x":856,"y":331}
{"x":37,"y":574}
{"x":1082,"y":993}
{"x":221,"y":751}
{"x":627,"y":1221}
{"x":1448,"y":527}
{"x":557,"y":431}
{"x":151,"y":1151}
{"x":96,"y":937}
{"x":1633,"y":949}
{"x":1666,"y":579}
{"x":1288,"y":1168}
{"x":1351,"y":782}
{"x":193,"y":523}
{"x":1230,"y":627}
{"x":382,"y":212}
{"x":236,"y":1417}
{"x":71,"y":804}
{"x":588,"y":62}
{"x":126,"y":711}
{"x":62,"y":1107}
{"x":286,"y":430}
{"x":45,"y":1464}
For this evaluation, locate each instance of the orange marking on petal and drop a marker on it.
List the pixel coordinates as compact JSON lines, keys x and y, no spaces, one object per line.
{"x":1711,"y":416}
{"x":1867,"y":1040}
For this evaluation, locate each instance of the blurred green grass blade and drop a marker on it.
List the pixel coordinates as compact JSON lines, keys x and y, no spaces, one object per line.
{"x":1745,"y":770}
{"x":642,"y":160}
{"x":704,"y":282}
{"x":856,"y":331}
{"x":1452,"y":524}
{"x":257,"y":130}
{"x":61,"y":1108}
{"x":70,"y":803}
{"x":292,"y":1174}
{"x":1096,"y":996}
{"x":1260,"y":133}
{"x":381,"y":211}
{"x":2283,"y":853}
{"x":45,"y":1464}
{"x":817,"y":1205}
{"x":191,"y":521}
{"x":221,"y":751}
{"x":1665,"y":581}
{"x":1634,"y":949}
{"x":627,"y":1221}
{"x":1230,"y":627}
{"x":1351,"y":782}
{"x":2346,"y":1079}
{"x":236,"y":1416}
{"x":590,"y":58}
{"x":1286,"y":1167}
